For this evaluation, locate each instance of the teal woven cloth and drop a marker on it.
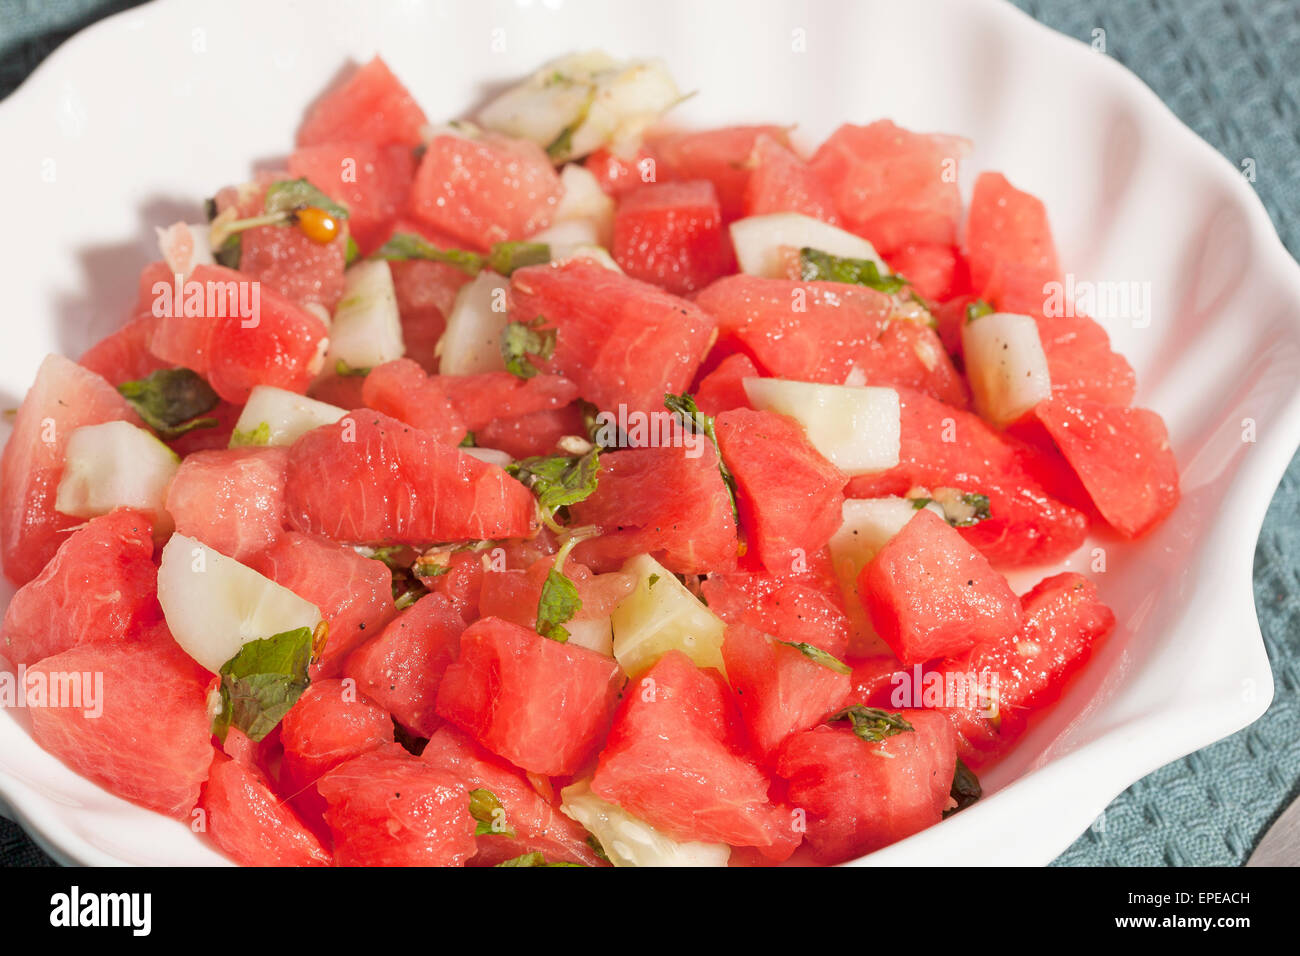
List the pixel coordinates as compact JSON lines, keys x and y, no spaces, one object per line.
{"x":1228,"y":68}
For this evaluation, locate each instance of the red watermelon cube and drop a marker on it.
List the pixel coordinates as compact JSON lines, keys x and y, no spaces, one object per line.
{"x":671,"y":234}
{"x":1007,"y":228}
{"x":251,"y":825}
{"x":721,"y":156}
{"x":782,"y":182}
{"x":541,"y":704}
{"x":231,"y":499}
{"x":930,"y":594}
{"x":371,"y":181}
{"x":426,"y":292}
{"x":724,"y":388}
{"x":857,"y":802}
{"x":402,"y":389}
{"x":371,"y":105}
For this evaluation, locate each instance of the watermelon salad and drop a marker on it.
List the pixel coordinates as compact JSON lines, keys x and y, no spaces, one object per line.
{"x":564,"y":489}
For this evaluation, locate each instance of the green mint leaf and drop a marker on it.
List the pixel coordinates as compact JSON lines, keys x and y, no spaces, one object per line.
{"x":286,"y":196}
{"x":486,"y":809}
{"x":919,"y":503}
{"x":816,"y":654}
{"x":815,"y":265}
{"x":229,"y":253}
{"x":966,"y":788}
{"x":556,"y":606}
{"x":558,"y":480}
{"x":960,"y":509}
{"x":262,"y":681}
{"x":506,"y":257}
{"x":353,"y":252}
{"x":344,"y":370}
{"x":170,"y":399}
{"x":405,"y":245}
{"x":596,"y":848}
{"x":978,"y":309}
{"x":871,"y":723}
{"x":469,"y":441}
{"x":261,"y":435}
{"x":520,"y":340}
{"x":534,"y":859}
{"x":408,"y":595}
{"x":685,"y":408}
{"x":654,"y":579}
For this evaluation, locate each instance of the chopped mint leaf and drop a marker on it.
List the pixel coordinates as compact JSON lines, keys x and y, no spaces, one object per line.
{"x":871,"y":723}
{"x":344,"y":370}
{"x":978,"y":309}
{"x":262,"y":681}
{"x":966,"y":788}
{"x":596,"y":848}
{"x":960,"y":509}
{"x":229,"y":253}
{"x":353,"y":252}
{"x":558,"y":480}
{"x":485,"y":808}
{"x":815,"y":265}
{"x":405,"y":245}
{"x":289,"y":195}
{"x":523,"y":339}
{"x":170,"y":399}
{"x":506,"y":257}
{"x":557,"y":605}
{"x":685,"y":408}
{"x":919,"y":503}
{"x":534,"y":859}
{"x":469,"y":441}
{"x":815,"y":653}
{"x":654,"y":579}
{"x":261,"y":435}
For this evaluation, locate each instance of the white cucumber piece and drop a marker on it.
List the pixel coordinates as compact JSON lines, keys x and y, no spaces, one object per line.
{"x":274,"y":416}
{"x":629,"y":841}
{"x":856,"y":428}
{"x":116,"y":465}
{"x":661,"y":615}
{"x":763,"y":243}
{"x":366,"y":330}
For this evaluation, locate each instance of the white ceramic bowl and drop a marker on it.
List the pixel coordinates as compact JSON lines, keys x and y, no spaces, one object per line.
{"x":132,"y":122}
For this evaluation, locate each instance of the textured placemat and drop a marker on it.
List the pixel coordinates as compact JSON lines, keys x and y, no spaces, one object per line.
{"x":1228,"y":68}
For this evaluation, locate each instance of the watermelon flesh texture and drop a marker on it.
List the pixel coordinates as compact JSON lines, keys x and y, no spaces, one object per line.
{"x":250,"y":825}
{"x":780,"y":689}
{"x":621,"y":341}
{"x":538,"y":826}
{"x":401,"y":668}
{"x":675,"y":759}
{"x":893,"y":186}
{"x":722,"y":156}
{"x":63,"y":398}
{"x":388,"y":808}
{"x":540,"y":704}
{"x":370,"y":181}
{"x":724,"y":388}
{"x":788,"y":495}
{"x":230,"y":499}
{"x":671,"y":234}
{"x":617,"y":174}
{"x":372,"y":479}
{"x":662,"y":502}
{"x":536,"y":433}
{"x":512,"y":594}
{"x":426,"y":292}
{"x":99,"y":587}
{"x":328,"y":725}
{"x":371,"y":105}
{"x":935,"y":270}
{"x":930,"y":594}
{"x":402,"y":389}
{"x":1123,"y":458}
{"x":150,"y":683}
{"x":857,"y":802}
{"x":782,"y":182}
{"x":124,"y":355}
{"x":354,"y":593}
{"x":484,"y":190}
{"x":1007,"y":226}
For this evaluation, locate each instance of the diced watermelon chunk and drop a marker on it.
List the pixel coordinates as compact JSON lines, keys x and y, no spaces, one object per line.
{"x":536,"y":433}
{"x":485,"y":190}
{"x":718,"y":155}
{"x":461,"y":584}
{"x":537,"y":826}
{"x":542,"y":705}
{"x":946,"y":447}
{"x":892,"y":186}
{"x":63,"y":398}
{"x":231,"y":499}
{"x":622,"y":341}
{"x":402,"y":389}
{"x":289,"y":263}
{"x":388,"y":808}
{"x":483,"y":398}
{"x":780,"y":689}
{"x":663,"y":502}
{"x":426,"y":292}
{"x":512,"y":594}
{"x":671,"y":234}
{"x":788,"y":495}
{"x":1082,"y":365}
{"x":371,"y":105}
{"x":250,"y":824}
{"x":930,"y":594}
{"x":857,"y":802}
{"x":371,"y":181}
{"x":724,"y":388}
{"x":124,"y":355}
{"x":354,"y":593}
{"x":617,"y":174}
{"x":146,"y":738}
{"x":1123,"y":458}
{"x":371,"y":479}
{"x":1007,"y":227}
{"x":823,"y":331}
{"x":99,"y":587}
{"x":329,"y":724}
{"x":932,"y":268}
{"x":674,"y":760}
{"x":800,"y":606}
{"x":400,"y":668}
{"x":782,"y":182}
